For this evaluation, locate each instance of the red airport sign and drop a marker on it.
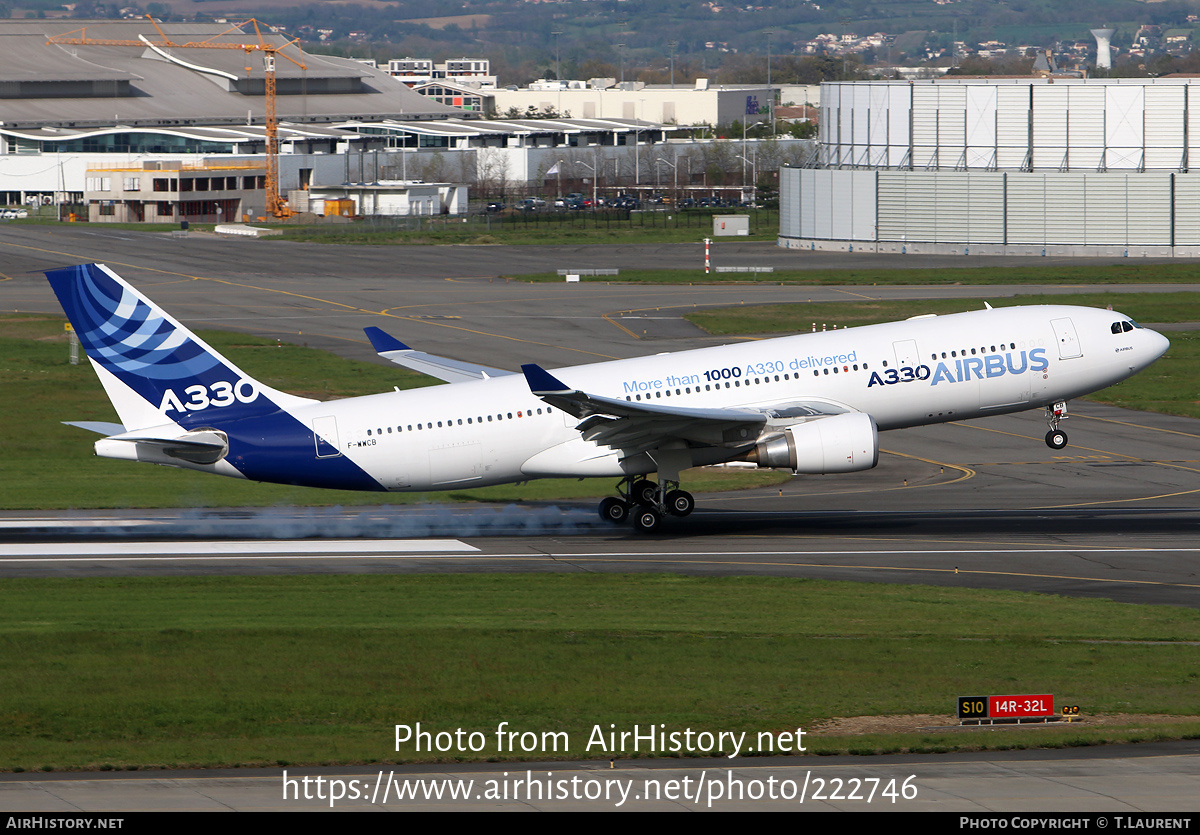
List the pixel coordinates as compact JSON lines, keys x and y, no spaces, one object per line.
{"x":1006,"y":707}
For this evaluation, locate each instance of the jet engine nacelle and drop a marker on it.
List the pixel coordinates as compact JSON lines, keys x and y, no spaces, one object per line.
{"x":836,"y":444}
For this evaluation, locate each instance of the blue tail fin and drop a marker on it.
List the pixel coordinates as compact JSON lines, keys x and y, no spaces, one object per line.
{"x":154,"y":370}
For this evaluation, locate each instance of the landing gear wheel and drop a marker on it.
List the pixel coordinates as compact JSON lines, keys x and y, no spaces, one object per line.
{"x":645,"y":493}
{"x":646,"y":520}
{"x":1056,"y":439}
{"x":613,"y":510}
{"x":680,"y":503}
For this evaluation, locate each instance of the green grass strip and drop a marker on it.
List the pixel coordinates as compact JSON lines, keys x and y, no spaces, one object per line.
{"x":1128,"y":272}
{"x":259,"y":670}
{"x":541,"y":228}
{"x":803,"y":317}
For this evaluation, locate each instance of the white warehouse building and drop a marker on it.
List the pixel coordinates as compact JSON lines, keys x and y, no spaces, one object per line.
{"x":1002,"y":166}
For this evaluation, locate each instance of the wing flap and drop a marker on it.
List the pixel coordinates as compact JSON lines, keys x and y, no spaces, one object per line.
{"x":638,"y":426}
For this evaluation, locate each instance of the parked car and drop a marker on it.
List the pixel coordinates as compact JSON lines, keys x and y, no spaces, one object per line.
{"x":13,"y":214}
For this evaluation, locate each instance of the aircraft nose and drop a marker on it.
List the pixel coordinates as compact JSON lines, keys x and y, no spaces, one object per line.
{"x":1158,"y":345}
{"x":1153,"y":345}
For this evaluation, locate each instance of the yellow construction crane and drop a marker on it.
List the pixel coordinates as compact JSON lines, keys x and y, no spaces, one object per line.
{"x":276,"y":205}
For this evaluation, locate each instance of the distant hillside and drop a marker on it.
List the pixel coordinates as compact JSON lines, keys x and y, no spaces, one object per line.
{"x":526,"y":39}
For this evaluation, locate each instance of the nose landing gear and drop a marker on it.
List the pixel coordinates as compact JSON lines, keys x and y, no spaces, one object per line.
{"x":1056,"y":438}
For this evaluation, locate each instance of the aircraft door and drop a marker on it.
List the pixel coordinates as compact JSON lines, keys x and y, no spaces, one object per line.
{"x":325,"y":437}
{"x":906,"y":353}
{"x":1068,"y":341}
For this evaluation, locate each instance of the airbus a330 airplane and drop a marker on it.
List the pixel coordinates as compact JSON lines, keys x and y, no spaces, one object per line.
{"x":811,"y":403}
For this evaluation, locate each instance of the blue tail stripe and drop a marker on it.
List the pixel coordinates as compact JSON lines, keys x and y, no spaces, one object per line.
{"x":165,"y":364}
{"x":134,"y":341}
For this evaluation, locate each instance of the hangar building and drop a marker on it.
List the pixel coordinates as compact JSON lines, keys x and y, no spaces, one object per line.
{"x":82,"y":98}
{"x":1002,"y":166}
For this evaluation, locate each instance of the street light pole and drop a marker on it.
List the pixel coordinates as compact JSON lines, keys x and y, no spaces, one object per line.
{"x":770,"y":90}
{"x":595,"y":176}
{"x":675,"y":173}
{"x":753,"y":175}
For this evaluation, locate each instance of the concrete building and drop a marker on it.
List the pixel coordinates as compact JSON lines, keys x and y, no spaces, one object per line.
{"x":173,"y":191}
{"x":459,"y":96}
{"x":604,"y":98}
{"x":1012,"y":165}
{"x":49,"y":165}
{"x":387,"y":198}
{"x":475,"y":72}
{"x":65,"y":107}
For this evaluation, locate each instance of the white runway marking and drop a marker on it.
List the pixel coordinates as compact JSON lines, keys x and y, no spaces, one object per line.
{"x":109,"y":551}
{"x":417,"y":548}
{"x":22,"y":524}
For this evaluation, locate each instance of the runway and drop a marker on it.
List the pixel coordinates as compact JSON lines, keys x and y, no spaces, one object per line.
{"x":1130,"y":787}
{"x":982,"y":504}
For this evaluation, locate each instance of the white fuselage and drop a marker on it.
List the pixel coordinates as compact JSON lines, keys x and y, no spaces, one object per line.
{"x":918,"y":371}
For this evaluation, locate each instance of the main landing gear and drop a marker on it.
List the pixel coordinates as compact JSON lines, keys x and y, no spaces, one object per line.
{"x":646,"y":502}
{"x":1056,"y":438}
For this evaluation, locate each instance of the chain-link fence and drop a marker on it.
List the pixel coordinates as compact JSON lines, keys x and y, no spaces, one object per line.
{"x":515,"y":222}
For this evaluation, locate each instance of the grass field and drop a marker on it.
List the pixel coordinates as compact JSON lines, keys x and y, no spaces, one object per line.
{"x":542,"y":228}
{"x":1130,"y":272}
{"x":120,"y":673}
{"x":778,"y":319}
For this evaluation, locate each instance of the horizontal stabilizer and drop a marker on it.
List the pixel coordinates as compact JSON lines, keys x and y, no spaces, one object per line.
{"x":452,"y":371}
{"x":205,"y":446}
{"x":100,"y":427}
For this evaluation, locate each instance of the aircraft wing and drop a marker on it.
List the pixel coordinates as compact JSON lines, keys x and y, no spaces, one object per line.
{"x":452,"y":371}
{"x":639,"y":426}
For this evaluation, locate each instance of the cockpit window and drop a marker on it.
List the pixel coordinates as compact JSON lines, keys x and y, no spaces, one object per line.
{"x":1116,"y":327}
{"x":1124,"y":326}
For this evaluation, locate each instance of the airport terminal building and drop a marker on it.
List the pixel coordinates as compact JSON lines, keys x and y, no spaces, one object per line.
{"x":1002,"y":166}
{"x":80,"y":98}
